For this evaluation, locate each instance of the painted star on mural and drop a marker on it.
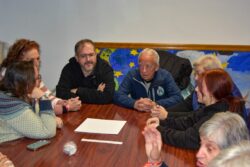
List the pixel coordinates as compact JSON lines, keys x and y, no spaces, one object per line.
{"x":131,"y":64}
{"x":117,"y":73}
{"x":133,"y":52}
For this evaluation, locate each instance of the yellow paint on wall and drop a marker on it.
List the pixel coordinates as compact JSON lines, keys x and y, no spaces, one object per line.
{"x":131,"y":64}
{"x":224,"y":65}
{"x":133,"y":52}
{"x":97,"y":51}
{"x":117,"y":73}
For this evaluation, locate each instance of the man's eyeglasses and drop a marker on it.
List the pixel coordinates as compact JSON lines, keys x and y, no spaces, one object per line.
{"x":146,"y":66}
{"x":84,"y":56}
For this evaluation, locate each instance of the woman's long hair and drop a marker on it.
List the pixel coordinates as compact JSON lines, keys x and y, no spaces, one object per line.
{"x":220,"y":85}
{"x":19,"y":80}
{"x":17,"y":50}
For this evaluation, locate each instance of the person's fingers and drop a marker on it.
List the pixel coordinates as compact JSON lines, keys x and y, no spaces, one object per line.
{"x":140,"y":100}
{"x":74,"y":103}
{"x":146,"y":131}
{"x":140,"y":105}
{"x":152,"y":120}
{"x":154,"y":115}
{"x":103,"y":85}
{"x":149,"y":121}
{"x":145,"y":134}
{"x":8,"y":163}
{"x":149,"y":137}
{"x":74,"y":98}
{"x":3,"y":159}
{"x":157,"y":136}
{"x":59,"y":122}
{"x":154,"y":110}
{"x":155,"y":153}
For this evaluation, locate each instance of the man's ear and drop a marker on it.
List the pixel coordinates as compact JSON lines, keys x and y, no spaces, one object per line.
{"x":157,"y":67}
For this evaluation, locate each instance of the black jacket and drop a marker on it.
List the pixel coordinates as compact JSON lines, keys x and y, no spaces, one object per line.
{"x":184,"y":131}
{"x":179,"y":67}
{"x":183,"y":108}
{"x":72,"y":77}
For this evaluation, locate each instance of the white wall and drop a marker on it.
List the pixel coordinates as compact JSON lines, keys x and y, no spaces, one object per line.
{"x":58,"y":24}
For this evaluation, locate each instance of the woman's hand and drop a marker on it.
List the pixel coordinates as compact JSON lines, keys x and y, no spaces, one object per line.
{"x":160,"y":112}
{"x":36,"y":93}
{"x":153,"y":144}
{"x":59,"y":122}
{"x":153,"y":122}
{"x":4,"y":161}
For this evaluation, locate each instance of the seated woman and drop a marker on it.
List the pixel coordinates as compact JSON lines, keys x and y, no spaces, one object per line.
{"x":214,"y":88}
{"x":191,"y":103}
{"x":26,"y":50}
{"x":223,"y":130}
{"x":17,"y":117}
{"x":234,"y":156}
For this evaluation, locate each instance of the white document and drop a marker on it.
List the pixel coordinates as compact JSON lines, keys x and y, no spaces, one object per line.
{"x":91,"y":125}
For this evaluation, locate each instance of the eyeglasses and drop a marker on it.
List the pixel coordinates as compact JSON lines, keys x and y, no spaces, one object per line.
{"x":84,"y":56}
{"x":146,"y":66}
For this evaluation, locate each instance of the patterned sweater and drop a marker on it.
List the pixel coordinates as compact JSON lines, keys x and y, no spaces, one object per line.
{"x":18,"y":119}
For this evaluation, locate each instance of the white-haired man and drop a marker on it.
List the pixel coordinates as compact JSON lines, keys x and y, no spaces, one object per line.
{"x":148,"y":85}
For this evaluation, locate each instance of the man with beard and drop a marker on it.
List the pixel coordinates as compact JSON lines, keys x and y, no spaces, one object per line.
{"x":87,"y":76}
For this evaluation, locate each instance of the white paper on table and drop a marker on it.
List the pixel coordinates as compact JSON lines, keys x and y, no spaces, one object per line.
{"x":91,"y":125}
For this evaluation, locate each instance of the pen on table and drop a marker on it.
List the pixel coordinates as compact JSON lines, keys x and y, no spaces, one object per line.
{"x":101,"y":141}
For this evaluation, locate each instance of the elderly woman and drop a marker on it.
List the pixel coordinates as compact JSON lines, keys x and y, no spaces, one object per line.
{"x":213,"y":89}
{"x":223,"y":130}
{"x":17,"y":117}
{"x":220,"y":132}
{"x":234,"y":156}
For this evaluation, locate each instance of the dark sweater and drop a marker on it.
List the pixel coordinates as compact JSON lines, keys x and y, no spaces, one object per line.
{"x":72,"y":77}
{"x":183,"y":131}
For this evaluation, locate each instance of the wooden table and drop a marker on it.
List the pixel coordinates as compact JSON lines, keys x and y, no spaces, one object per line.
{"x":130,"y":154}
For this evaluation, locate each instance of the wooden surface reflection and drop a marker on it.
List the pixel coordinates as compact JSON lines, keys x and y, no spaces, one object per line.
{"x":130,"y":154}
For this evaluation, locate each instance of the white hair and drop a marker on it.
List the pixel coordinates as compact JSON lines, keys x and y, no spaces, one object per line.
{"x":150,"y":52}
{"x":208,"y":62}
{"x":234,"y":156}
{"x":225,"y":129}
